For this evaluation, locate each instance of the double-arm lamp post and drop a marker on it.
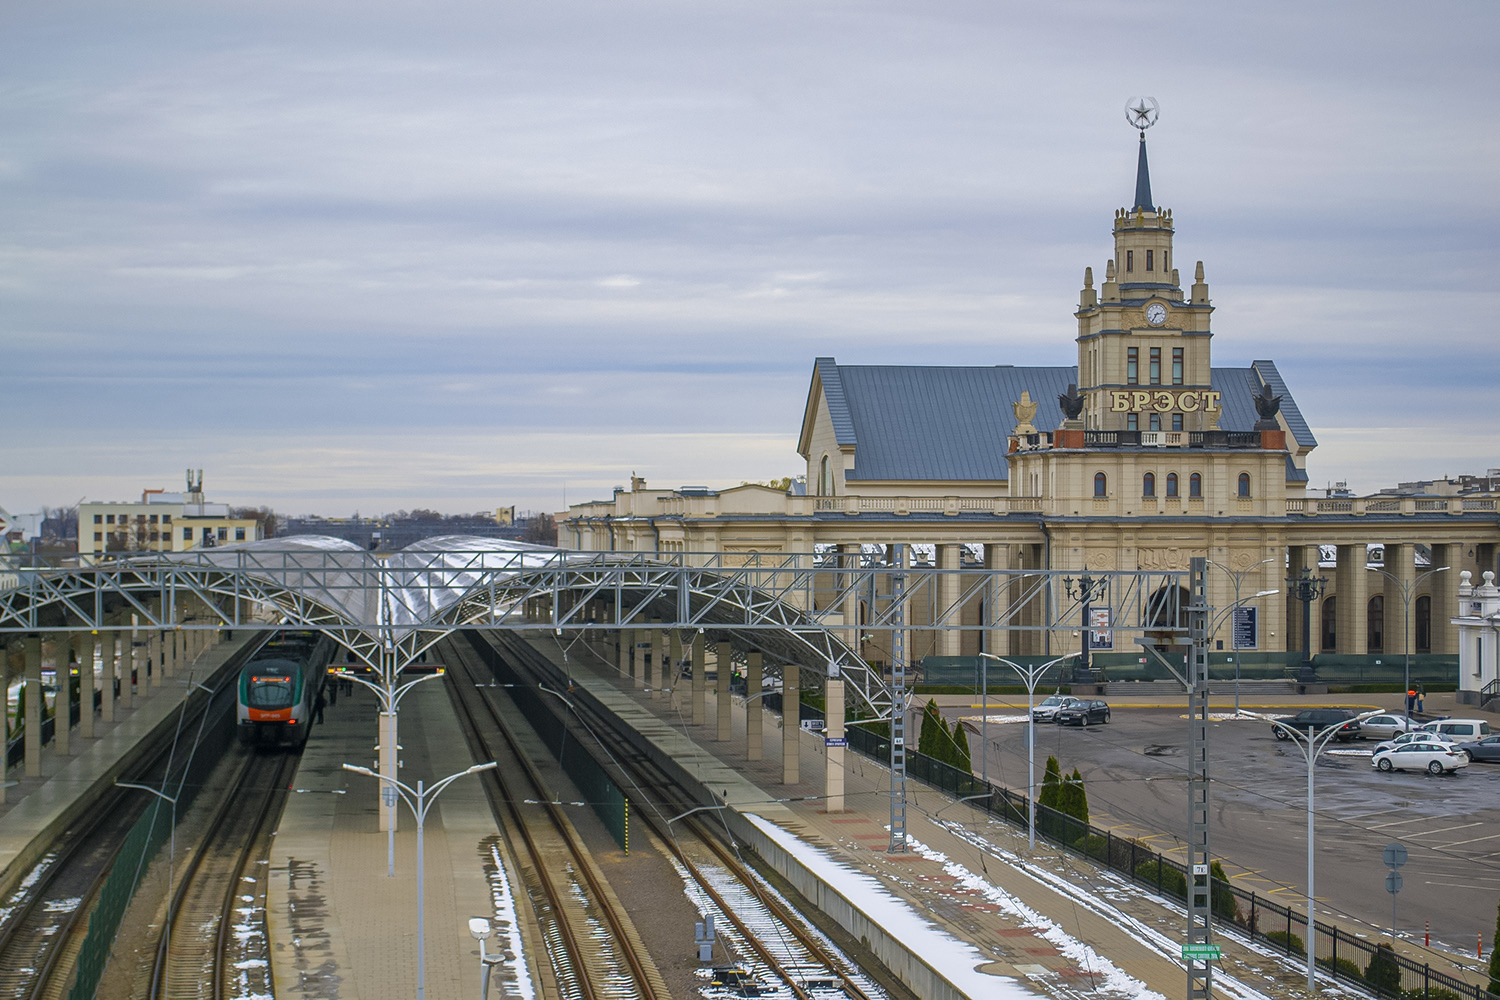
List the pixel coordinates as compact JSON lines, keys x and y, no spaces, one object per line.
{"x":1311,"y":744}
{"x":1031,"y":675}
{"x":1086,"y":590}
{"x":1406,"y":589}
{"x":1307,"y":589}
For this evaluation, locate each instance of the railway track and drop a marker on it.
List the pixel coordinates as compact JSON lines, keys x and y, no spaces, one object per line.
{"x":777,"y":950}
{"x":205,"y":952}
{"x":42,"y":922}
{"x":592,"y":949}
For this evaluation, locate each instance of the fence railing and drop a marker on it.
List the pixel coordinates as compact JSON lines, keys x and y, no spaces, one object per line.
{"x":1372,"y":967}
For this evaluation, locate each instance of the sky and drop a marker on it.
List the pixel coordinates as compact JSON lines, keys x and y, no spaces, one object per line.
{"x":372,"y":256}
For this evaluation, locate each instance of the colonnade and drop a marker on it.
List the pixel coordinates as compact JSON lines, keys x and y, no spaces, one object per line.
{"x":116,"y":665}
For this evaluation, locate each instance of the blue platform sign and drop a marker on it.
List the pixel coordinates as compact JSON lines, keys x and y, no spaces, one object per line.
{"x":1246,"y":627}
{"x":835,"y":741}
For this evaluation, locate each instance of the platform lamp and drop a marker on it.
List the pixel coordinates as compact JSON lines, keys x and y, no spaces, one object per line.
{"x":1307,"y":589}
{"x":1086,"y":590}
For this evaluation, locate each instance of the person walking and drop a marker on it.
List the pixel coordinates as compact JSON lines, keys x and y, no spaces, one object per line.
{"x":318,"y":706}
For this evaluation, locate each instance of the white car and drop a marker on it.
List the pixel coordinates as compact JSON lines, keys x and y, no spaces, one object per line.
{"x":1421,"y":755}
{"x":1415,"y":736}
{"x":1383,"y":727}
{"x":1047,"y":710}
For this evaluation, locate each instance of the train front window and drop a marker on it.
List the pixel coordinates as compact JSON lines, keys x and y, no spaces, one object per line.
{"x":270,"y":691}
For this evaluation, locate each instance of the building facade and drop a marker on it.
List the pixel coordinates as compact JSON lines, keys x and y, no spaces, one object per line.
{"x":159,"y":522}
{"x":1138,"y":454}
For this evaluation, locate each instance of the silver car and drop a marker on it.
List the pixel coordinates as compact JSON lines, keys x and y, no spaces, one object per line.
{"x":1047,"y":710}
{"x":1383,"y":727}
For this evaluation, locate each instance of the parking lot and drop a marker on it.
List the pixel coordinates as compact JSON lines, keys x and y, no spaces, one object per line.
{"x":1135,"y":775}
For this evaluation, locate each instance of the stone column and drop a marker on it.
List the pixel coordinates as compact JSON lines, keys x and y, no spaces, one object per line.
{"x":658,"y":654}
{"x":997,"y":600}
{"x":700,"y":682}
{"x":638,"y":657}
{"x":1445,"y":596}
{"x":725,"y":671}
{"x":834,"y":730}
{"x":791,"y":723}
{"x":153,"y":661}
{"x":949,"y":586}
{"x":86,"y":686}
{"x":33,"y":706}
{"x":849,"y":557}
{"x":674,"y":662}
{"x":1353,"y":596}
{"x":754,"y":709}
{"x":1400,"y":562}
{"x":62,"y":701}
{"x":108,"y":670}
{"x":131,"y":657}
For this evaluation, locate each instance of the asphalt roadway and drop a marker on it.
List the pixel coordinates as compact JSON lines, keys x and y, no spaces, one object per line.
{"x":1135,"y":773}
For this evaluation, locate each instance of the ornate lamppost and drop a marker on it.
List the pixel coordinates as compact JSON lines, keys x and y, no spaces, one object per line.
{"x":1307,"y":589}
{"x":1086,"y":590}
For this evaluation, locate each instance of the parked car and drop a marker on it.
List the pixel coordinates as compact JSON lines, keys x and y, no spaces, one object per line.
{"x":1487,"y":749}
{"x":1081,"y":713}
{"x":1460,"y":729}
{"x":1415,"y":736}
{"x":1314,"y":720}
{"x":1383,"y":727}
{"x":1047,"y":710}
{"x":1421,"y":755}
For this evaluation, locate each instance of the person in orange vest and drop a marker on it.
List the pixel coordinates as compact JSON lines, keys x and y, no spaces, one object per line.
{"x":1411,"y":699}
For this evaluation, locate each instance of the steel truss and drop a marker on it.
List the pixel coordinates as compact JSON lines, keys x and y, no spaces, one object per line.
{"x":389,"y":610}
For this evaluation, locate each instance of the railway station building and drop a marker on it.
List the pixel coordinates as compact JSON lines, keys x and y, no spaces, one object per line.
{"x":1135,"y":452}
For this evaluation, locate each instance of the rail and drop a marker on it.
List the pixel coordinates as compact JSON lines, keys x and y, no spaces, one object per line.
{"x":1400,"y":506}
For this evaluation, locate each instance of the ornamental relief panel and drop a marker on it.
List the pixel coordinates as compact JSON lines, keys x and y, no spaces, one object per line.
{"x":1163,"y":559}
{"x":1100,"y":559}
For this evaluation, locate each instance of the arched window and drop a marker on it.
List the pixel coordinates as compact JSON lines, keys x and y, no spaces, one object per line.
{"x":1422,"y":625}
{"x":1375,"y":622}
{"x":1171,"y":484}
{"x":1195,"y":485}
{"x":1148,"y":485}
{"x":825,"y":478}
{"x":1244,"y":484}
{"x":1330,"y":616}
{"x":1101,"y":485}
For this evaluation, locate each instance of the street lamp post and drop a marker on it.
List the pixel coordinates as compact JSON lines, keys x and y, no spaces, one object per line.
{"x":419,"y":800}
{"x":1306,"y":588}
{"x":1030,"y":675}
{"x":1311,"y":746}
{"x":1407,"y":590}
{"x":1086,"y":590}
{"x":1238,"y":576}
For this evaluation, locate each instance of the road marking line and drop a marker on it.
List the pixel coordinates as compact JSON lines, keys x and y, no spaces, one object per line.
{"x":1417,"y":819}
{"x":1446,"y":829}
{"x":1474,"y":841}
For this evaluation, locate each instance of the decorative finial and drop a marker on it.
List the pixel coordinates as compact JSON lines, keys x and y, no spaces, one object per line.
{"x":1141,"y":113}
{"x":1025,"y":411}
{"x":1088,"y":277}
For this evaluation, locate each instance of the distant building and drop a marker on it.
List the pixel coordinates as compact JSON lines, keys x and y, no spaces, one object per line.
{"x":159,"y":522}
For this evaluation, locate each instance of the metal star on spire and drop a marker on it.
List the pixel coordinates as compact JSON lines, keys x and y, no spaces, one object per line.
{"x":1141,"y":112}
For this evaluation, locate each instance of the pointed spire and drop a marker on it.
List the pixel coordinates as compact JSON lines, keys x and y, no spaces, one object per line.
{"x":1143,"y":181}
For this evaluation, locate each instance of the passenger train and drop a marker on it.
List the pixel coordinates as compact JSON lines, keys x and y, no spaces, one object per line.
{"x":280,"y":685}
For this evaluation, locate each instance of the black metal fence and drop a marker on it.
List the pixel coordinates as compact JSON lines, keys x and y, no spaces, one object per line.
{"x":1372,"y":967}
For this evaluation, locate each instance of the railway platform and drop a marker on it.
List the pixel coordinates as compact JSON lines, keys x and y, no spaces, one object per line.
{"x":36,"y":809}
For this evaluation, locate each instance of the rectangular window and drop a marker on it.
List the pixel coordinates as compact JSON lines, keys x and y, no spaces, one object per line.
{"x":1132,"y":422}
{"x":1156,"y":421}
{"x":98,"y":518}
{"x":1176,"y":366}
{"x":187,"y":534}
{"x":98,"y":538}
{"x":1166,"y":256}
{"x":239,"y":534}
{"x":223,"y":534}
{"x":153,"y":518}
{"x":1129,"y":261}
{"x":1149,"y":254}
{"x":1156,"y":366}
{"x":1133,"y":366}
{"x":1177,"y":421}
{"x":109,"y":519}
{"x":166,"y":519}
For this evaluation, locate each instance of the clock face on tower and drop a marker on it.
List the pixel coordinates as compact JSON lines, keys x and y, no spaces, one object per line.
{"x":1156,"y":314}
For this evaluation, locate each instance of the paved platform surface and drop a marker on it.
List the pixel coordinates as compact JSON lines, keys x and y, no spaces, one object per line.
{"x":36,"y":809}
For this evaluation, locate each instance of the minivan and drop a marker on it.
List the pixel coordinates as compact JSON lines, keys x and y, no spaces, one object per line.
{"x":1462,"y":730}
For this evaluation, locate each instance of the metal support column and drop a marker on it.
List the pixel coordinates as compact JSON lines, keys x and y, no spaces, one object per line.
{"x":898,"y":705}
{"x":1199,"y":903}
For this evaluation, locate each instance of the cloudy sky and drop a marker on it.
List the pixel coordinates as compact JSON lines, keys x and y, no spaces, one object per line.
{"x":367,"y":256}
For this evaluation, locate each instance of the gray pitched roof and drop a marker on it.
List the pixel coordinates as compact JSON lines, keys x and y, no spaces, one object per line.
{"x":948,"y":423}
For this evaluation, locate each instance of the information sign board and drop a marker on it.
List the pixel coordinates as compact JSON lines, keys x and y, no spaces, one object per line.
{"x":1246,"y":627}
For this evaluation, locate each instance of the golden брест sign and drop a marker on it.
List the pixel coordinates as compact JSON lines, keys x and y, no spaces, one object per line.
{"x":1163,"y":400}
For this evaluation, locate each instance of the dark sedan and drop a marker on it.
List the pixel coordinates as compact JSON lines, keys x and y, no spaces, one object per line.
{"x":1315,"y":720}
{"x":1487,"y":749}
{"x":1082,"y":713}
